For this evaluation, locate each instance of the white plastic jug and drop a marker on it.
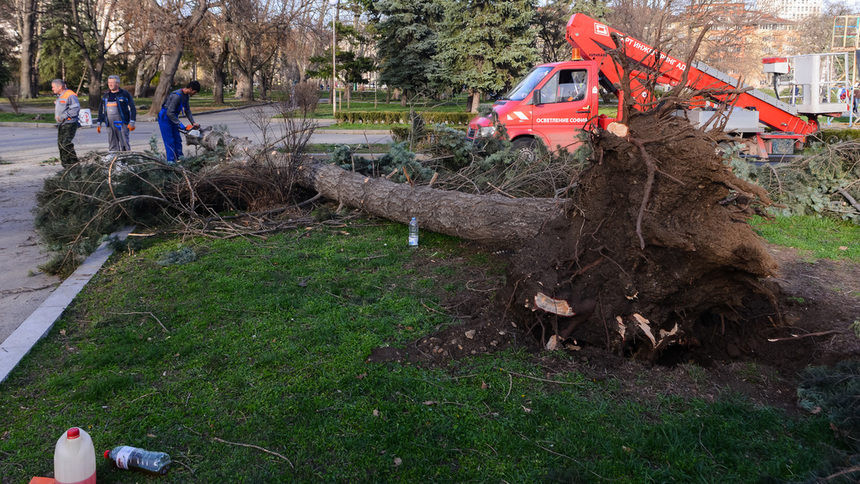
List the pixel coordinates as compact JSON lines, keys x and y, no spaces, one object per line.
{"x":75,"y":458}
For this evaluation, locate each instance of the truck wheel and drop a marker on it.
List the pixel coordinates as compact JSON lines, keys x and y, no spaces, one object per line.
{"x":525,"y":149}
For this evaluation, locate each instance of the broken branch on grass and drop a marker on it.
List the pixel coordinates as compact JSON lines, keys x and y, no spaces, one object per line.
{"x":252,"y":446}
{"x":547,"y":380}
{"x":149,"y":313}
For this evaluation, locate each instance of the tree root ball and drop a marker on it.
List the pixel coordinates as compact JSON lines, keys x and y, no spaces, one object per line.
{"x":655,"y":256}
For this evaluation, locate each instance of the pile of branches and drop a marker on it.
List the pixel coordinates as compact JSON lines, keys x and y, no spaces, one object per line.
{"x":209,"y":195}
{"x":824,"y":181}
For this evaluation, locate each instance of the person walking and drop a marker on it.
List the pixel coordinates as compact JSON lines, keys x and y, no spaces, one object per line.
{"x":66,"y":110}
{"x":168,"y":119}
{"x":118,"y":113}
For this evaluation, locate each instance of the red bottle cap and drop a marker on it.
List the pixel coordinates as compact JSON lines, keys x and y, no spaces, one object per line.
{"x":107,"y":454}
{"x":73,"y":433}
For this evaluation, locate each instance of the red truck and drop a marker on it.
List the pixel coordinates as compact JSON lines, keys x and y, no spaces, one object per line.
{"x":554,"y":102}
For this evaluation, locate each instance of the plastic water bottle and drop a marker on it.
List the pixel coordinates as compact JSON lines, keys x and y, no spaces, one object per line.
{"x":413,"y":232}
{"x":75,"y":458}
{"x":127,"y":457}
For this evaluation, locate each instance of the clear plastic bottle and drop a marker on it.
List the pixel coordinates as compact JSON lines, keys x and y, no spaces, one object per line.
{"x":413,"y":232}
{"x":127,"y":457}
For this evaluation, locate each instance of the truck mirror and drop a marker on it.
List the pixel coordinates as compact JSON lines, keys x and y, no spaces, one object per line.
{"x":536,"y":97}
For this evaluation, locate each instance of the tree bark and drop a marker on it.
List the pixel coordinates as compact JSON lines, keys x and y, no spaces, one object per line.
{"x":145,"y":72}
{"x":218,"y":64}
{"x":484,"y":218}
{"x":27,"y":30}
{"x":165,"y":82}
{"x":244,"y":86}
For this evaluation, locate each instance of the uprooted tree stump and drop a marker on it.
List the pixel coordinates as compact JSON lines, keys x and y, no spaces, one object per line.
{"x":655,"y":256}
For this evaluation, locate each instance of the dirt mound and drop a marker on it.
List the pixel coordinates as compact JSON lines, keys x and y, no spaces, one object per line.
{"x":656,"y":258}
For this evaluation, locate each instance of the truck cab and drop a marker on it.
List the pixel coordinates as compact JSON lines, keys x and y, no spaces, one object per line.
{"x":551,"y":105}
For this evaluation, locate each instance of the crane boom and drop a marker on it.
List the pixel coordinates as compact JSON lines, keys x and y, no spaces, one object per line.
{"x":594,"y":39}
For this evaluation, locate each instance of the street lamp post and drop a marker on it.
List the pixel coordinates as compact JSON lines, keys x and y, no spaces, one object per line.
{"x":336,"y":5}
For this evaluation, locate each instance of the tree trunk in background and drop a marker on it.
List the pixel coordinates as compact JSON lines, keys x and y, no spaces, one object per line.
{"x":475,"y":101}
{"x":95,"y":84}
{"x":218,"y":64}
{"x":264,"y":85}
{"x":26,"y":20}
{"x":165,"y":82}
{"x":244,"y":88}
{"x":218,"y":85}
{"x":145,"y":72}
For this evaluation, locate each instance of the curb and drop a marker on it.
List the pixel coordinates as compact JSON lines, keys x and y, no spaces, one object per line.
{"x":40,"y":322}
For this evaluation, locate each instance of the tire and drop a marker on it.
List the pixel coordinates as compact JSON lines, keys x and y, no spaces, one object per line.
{"x":526,"y":149}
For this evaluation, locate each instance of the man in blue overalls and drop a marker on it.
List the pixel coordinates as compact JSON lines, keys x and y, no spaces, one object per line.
{"x":168,"y":119}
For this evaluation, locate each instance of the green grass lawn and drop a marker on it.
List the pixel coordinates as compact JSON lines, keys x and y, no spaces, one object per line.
{"x":265,"y":343}
{"x":819,"y":238}
{"x":26,"y":118}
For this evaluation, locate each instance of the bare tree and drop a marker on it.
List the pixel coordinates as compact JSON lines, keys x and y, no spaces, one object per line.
{"x":95,"y":33}
{"x":257,"y":28}
{"x":180,"y":19}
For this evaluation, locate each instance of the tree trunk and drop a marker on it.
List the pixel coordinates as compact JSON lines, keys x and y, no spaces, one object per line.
{"x":244,"y":86}
{"x":95,"y":86}
{"x":165,"y":82}
{"x":494,"y":219}
{"x":218,"y":64}
{"x":145,"y":72}
{"x":484,"y":218}
{"x":475,"y":101}
{"x":27,"y":30}
{"x":218,"y":85}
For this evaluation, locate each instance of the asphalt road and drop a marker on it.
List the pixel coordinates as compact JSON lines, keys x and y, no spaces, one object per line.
{"x":22,"y":149}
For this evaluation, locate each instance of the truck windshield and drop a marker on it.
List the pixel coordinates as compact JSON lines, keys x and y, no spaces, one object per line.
{"x":526,"y":85}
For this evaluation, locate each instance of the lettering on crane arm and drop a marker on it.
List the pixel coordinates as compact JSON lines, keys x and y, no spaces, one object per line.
{"x":561,"y":120}
{"x":648,"y":50}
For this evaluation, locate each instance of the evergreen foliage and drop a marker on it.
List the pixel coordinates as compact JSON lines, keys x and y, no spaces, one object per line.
{"x":407,"y":42}
{"x":59,"y":56}
{"x":812,"y":184}
{"x":485,"y":46}
{"x":77,"y":206}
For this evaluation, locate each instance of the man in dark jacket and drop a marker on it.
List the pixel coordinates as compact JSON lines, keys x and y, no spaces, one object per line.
{"x":118,"y":114}
{"x":168,"y":119}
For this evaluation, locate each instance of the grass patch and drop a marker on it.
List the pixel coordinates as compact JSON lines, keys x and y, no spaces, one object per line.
{"x":819,"y":237}
{"x":266,"y":344}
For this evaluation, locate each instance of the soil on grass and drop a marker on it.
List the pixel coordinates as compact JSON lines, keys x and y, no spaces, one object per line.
{"x":815,"y":297}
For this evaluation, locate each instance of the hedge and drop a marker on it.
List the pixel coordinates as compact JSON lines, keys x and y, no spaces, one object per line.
{"x":395,"y":117}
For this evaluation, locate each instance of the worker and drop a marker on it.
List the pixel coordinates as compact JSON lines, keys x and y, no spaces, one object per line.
{"x":118,"y":113}
{"x":168,"y":119}
{"x":66,"y":111}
